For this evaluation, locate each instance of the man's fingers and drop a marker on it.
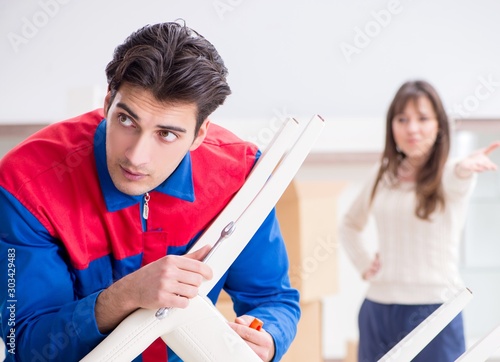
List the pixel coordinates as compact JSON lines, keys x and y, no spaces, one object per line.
{"x":244,"y":320}
{"x":260,"y":341}
{"x":247,"y":333}
{"x":200,"y":253}
{"x":200,"y":268}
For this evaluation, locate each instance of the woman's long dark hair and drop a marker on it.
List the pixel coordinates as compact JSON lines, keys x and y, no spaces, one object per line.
{"x":429,"y":191}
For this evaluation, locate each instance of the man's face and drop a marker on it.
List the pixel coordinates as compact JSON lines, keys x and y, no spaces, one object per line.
{"x":147,"y":139}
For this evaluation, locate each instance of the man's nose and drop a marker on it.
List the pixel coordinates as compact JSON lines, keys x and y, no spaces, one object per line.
{"x":139,"y":153}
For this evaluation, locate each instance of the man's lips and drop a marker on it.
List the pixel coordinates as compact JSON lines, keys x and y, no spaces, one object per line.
{"x":134,"y":176}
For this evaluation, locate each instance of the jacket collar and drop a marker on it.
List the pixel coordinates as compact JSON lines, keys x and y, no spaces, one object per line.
{"x":179,"y":184}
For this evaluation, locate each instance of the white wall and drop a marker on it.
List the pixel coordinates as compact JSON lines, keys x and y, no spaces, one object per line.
{"x":282,"y":55}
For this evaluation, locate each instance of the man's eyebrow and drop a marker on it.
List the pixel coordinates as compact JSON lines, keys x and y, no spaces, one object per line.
{"x":172,"y":128}
{"x":160,"y":126}
{"x":128,"y":110}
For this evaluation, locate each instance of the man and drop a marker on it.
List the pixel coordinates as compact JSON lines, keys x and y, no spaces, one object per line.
{"x":99,"y":211}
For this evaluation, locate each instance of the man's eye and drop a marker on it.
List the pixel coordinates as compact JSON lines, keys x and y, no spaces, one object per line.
{"x":125,"y":120}
{"x":168,"y":136}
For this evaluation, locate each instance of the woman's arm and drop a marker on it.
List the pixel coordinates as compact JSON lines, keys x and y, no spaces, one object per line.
{"x":478,"y":161}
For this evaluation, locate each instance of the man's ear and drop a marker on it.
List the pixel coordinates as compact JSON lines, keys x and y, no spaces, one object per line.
{"x":107,"y":103}
{"x":202,"y":133}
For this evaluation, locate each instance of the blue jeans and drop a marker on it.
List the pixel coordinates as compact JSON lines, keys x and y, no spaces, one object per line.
{"x":382,"y":326}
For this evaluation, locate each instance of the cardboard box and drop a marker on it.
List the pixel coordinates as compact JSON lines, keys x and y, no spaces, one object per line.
{"x":223,"y":296}
{"x":225,"y":306}
{"x":351,"y":351}
{"x":307,"y":345}
{"x":308,"y":221}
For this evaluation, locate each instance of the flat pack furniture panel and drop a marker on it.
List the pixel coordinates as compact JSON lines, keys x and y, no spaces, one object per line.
{"x":425,"y":332}
{"x":482,"y":349}
{"x":190,"y":331}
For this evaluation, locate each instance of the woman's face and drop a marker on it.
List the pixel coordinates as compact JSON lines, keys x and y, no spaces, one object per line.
{"x":415,"y":129}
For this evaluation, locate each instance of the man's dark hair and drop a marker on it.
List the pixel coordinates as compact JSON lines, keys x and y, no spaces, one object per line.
{"x":174,"y":63}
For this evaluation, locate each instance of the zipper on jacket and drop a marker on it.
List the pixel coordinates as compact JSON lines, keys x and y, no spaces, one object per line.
{"x":145,"y":210}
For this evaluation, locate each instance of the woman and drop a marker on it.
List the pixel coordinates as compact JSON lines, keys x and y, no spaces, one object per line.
{"x":418,"y":199}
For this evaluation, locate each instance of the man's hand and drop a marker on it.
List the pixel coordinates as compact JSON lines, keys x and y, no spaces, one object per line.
{"x":259,"y":341}
{"x":168,"y":282}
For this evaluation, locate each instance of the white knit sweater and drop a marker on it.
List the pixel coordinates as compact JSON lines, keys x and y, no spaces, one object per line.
{"x":419,"y":259}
